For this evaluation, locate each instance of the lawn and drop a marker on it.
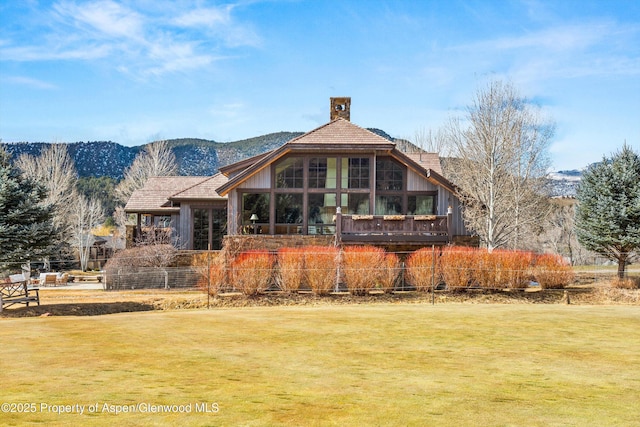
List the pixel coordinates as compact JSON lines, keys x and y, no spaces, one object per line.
{"x":386,"y":364}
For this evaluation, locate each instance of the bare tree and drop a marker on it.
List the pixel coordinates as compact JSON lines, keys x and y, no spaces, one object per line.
{"x":55,"y":170}
{"x":156,"y":159}
{"x":87,"y":215}
{"x":433,"y":141}
{"x":502,"y":151}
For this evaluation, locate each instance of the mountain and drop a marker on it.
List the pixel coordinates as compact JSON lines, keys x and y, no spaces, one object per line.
{"x":195,"y":157}
{"x":203,"y":157}
{"x":564,"y":183}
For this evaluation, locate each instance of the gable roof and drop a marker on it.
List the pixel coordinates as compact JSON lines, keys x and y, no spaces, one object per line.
{"x":340,"y":132}
{"x":154,"y":196}
{"x":337,"y":135}
{"x":203,"y":190}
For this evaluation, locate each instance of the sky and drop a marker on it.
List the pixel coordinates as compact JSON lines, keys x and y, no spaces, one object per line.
{"x":133,"y":72}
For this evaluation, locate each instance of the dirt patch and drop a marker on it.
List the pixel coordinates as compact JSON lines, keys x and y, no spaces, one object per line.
{"x":98,"y":302}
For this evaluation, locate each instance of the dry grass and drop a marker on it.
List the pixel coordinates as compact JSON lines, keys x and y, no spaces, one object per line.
{"x":446,"y":365}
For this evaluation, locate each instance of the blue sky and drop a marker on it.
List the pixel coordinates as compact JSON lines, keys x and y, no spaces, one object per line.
{"x":137,"y":71}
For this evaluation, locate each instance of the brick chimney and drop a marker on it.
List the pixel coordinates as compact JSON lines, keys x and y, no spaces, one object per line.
{"x":341,"y":108}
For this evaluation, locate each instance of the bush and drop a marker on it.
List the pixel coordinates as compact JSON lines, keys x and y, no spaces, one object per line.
{"x":514,"y":269}
{"x":420,"y":271}
{"x":362,"y":267}
{"x":628,"y":283}
{"x":290,"y":269}
{"x":321,"y":268}
{"x":389,"y":273}
{"x":213,"y":271}
{"x":251,"y":271}
{"x":552,"y":272}
{"x":458,"y":266}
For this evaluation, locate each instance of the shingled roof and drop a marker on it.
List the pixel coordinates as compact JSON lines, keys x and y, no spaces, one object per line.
{"x":341,"y":131}
{"x":155,"y":196}
{"x":203,"y":190}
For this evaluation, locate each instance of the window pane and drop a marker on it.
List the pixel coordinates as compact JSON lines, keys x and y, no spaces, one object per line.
{"x":355,"y":204}
{"x":322,"y":210}
{"x":289,"y":173}
{"x":289,"y":208}
{"x":389,"y":175}
{"x":388,"y":205}
{"x":421,"y":205}
{"x":255,"y":203}
{"x":355,"y":172}
{"x":322,"y":172}
{"x":200,"y":229}
{"x":219,"y":228}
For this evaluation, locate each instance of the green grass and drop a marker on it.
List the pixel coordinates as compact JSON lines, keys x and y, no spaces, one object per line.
{"x":445,"y":365}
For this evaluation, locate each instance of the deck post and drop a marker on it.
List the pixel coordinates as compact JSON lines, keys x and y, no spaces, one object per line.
{"x":338,"y":225}
{"x":449,"y":223}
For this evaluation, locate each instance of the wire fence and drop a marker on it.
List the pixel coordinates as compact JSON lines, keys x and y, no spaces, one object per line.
{"x":218,"y":272}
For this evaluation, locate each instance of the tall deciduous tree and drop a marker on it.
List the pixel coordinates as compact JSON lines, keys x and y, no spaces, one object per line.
{"x":608,"y":212}
{"x":502,"y":150}
{"x":26,"y":226}
{"x":87,"y":215}
{"x":54,"y":169}
{"x":156,"y":159}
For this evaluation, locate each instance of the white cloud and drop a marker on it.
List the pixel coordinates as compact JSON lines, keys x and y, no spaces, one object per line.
{"x":105,"y":17}
{"x":28,"y":81}
{"x":140,"y":43}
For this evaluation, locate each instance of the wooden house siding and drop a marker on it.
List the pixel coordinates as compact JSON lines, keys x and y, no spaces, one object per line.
{"x":261,"y":180}
{"x":416,"y":182}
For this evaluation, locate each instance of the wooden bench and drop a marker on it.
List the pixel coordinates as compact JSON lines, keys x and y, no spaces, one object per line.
{"x":18,"y":291}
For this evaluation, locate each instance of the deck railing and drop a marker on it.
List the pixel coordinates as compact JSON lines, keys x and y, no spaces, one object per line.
{"x":398,"y":228}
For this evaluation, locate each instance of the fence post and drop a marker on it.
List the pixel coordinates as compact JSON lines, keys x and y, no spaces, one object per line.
{"x":209,"y":277}
{"x":433,"y":274}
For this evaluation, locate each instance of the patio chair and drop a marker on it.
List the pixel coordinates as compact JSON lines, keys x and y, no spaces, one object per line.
{"x":63,"y":279}
{"x":50,"y":280}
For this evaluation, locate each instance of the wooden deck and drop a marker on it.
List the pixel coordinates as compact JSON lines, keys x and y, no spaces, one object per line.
{"x":409,"y":229}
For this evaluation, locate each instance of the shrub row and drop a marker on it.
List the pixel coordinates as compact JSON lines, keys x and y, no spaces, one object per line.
{"x":366,"y":268}
{"x":462,"y":267}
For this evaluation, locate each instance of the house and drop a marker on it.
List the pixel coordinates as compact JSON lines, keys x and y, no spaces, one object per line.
{"x":338,"y":180}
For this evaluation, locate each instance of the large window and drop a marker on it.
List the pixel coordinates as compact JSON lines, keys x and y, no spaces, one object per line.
{"x":355,"y":204}
{"x":321,"y":215}
{"x":388,"y":205}
{"x":355,"y":172}
{"x":389,"y":175}
{"x":255,"y":204}
{"x":209,"y":226}
{"x":322,"y":172}
{"x":421,"y":205}
{"x":289,"y":173}
{"x":288,"y":213}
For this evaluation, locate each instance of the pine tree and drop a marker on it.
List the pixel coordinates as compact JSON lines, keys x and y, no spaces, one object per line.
{"x":608,"y":212}
{"x":26,"y":226}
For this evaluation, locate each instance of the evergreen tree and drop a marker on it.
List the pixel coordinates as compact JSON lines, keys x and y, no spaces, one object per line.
{"x":608,"y":212}
{"x":26,"y":226}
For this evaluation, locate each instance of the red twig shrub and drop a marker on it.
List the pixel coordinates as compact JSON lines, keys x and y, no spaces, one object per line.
{"x":389,"y":273}
{"x":321,"y":268}
{"x":484,"y":272}
{"x":214,"y":274}
{"x":251,"y":271}
{"x":420,"y":269}
{"x":362,"y":267}
{"x":290,"y":269}
{"x":514,"y":268}
{"x":459,"y":266}
{"x":552,"y":272}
